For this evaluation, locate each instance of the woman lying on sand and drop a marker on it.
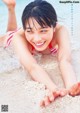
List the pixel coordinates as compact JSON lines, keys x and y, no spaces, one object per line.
{"x":42,"y":33}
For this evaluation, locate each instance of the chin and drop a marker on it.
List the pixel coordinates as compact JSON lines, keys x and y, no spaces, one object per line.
{"x":40,"y":49}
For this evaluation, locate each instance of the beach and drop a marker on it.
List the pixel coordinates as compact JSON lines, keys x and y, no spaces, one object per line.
{"x":17,"y":89}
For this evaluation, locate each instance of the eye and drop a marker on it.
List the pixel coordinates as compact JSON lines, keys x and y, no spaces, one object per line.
{"x":43,"y":31}
{"x":29,"y":31}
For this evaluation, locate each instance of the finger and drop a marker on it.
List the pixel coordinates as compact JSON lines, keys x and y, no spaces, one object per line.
{"x":42,"y":103}
{"x":63,"y":92}
{"x":46,"y":101}
{"x":56,"y":94}
{"x":78,"y":90}
{"x":51,"y":97}
{"x":75,"y":90}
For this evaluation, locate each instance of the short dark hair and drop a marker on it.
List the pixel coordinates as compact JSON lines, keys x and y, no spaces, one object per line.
{"x":42,"y":11}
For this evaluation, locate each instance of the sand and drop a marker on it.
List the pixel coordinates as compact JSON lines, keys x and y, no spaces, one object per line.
{"x":23,"y":95}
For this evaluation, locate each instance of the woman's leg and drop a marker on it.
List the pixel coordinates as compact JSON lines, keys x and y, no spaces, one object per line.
{"x":12,"y":23}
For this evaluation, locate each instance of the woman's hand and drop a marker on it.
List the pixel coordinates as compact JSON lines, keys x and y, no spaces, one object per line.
{"x":52,"y":95}
{"x":75,"y":89}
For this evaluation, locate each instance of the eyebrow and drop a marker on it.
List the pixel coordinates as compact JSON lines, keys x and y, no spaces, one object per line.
{"x":39,"y":28}
{"x":28,"y":28}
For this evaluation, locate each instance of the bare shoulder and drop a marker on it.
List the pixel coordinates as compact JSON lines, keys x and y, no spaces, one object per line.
{"x":61,"y":32}
{"x":63,"y":41}
{"x":61,"y":28}
{"x":20,"y":33}
{"x":19,"y":39}
{"x":20,"y":36}
{"x":21,"y":48}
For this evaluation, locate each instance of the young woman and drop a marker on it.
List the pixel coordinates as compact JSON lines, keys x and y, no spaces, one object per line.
{"x":42,"y":33}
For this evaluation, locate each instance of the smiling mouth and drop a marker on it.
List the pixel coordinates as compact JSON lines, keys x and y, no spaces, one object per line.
{"x":39,"y":44}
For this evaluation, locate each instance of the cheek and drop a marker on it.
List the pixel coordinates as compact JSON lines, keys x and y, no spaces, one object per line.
{"x":51,"y":35}
{"x":48,"y":36}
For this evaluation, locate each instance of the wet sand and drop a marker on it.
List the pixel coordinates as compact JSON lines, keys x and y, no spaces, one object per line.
{"x":22,"y":95}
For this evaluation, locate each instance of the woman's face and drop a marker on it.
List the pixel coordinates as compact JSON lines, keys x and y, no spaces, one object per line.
{"x":39,"y":37}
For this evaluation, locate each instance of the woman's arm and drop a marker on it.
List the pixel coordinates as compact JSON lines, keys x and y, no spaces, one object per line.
{"x":29,"y":63}
{"x":36,"y":72}
{"x":64,"y":57}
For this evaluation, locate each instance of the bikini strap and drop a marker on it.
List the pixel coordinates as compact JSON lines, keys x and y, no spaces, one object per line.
{"x":32,"y":49}
{"x":50,"y":46}
{"x":10,"y":36}
{"x":53,"y":50}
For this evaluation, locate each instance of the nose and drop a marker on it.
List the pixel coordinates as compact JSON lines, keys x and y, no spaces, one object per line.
{"x":37,"y":38}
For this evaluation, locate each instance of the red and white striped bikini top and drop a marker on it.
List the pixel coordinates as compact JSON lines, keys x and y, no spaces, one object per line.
{"x":10,"y":36}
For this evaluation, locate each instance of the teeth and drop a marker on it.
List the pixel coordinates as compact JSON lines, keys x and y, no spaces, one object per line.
{"x":38,"y":44}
